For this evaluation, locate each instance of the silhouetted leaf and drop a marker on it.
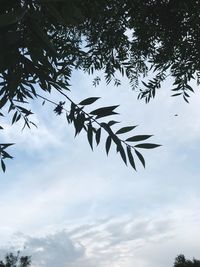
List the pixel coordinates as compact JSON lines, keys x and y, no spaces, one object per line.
{"x":103,"y":112}
{"x":141,"y":158}
{"x":130,"y":157}
{"x":111,"y":123}
{"x":125,"y":129}
{"x":90,"y":135}
{"x":88,"y":101}
{"x":108,"y":144}
{"x":147,"y":146}
{"x":98,"y":136}
{"x":3,"y":166}
{"x":120,"y":149}
{"x":137,"y":138}
{"x":14,"y":117}
{"x":79,"y":123}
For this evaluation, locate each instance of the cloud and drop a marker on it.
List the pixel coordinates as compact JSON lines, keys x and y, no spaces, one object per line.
{"x":53,"y":250}
{"x":145,"y":241}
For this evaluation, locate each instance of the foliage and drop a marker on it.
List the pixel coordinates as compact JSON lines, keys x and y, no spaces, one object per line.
{"x":12,"y":260}
{"x":180,"y":261}
{"x":45,"y":40}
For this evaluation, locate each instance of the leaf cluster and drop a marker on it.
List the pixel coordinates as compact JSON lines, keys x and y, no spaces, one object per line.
{"x":43,"y":41}
{"x":91,"y":122}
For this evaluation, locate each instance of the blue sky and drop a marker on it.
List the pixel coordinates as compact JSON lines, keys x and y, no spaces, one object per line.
{"x":61,"y":201}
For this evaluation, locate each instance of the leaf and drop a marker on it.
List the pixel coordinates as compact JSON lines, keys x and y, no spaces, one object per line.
{"x":141,"y":158}
{"x":90,"y":135}
{"x":120,"y":149}
{"x":98,"y":136}
{"x":185,"y":99}
{"x":3,"y":166}
{"x":88,"y":101}
{"x":130,"y":157}
{"x":6,"y":145}
{"x":79,"y":123}
{"x":138,"y":138}
{"x":125,"y":129}
{"x":14,"y":117}
{"x":108,"y":144}
{"x":147,"y":146}
{"x":103,"y":112}
{"x":111,"y":123}
{"x":177,"y":94}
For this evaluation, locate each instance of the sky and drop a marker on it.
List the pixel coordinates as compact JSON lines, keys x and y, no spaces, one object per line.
{"x":69,"y":206}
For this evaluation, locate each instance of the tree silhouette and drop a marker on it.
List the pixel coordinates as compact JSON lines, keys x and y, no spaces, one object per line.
{"x":180,"y":261}
{"x":12,"y":260}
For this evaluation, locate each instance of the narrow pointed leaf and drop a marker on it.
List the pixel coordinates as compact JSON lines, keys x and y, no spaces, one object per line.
{"x":111,"y":123}
{"x":130,"y":157}
{"x":98,"y":136}
{"x":79,"y":123}
{"x":3,"y":166}
{"x":88,"y":101}
{"x":147,"y":146}
{"x":108,"y":144}
{"x":141,"y":158}
{"x":120,"y":149}
{"x":125,"y":129}
{"x":90,"y":135}
{"x":137,"y":138}
{"x":6,"y":145}
{"x":103,"y":112}
{"x":14,"y":117}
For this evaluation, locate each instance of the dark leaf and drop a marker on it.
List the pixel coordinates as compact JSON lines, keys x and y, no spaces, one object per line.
{"x":3,"y":166}
{"x":177,"y":94}
{"x":98,"y":136}
{"x":103,"y":112}
{"x":90,"y":135}
{"x":6,"y":145}
{"x":120,"y":149}
{"x":14,"y":117}
{"x":147,"y":146}
{"x":111,"y":123}
{"x":138,"y":138}
{"x":88,"y":101}
{"x":79,"y":123}
{"x":130,"y":157}
{"x":108,"y":144}
{"x":141,"y":158}
{"x":125,"y":129}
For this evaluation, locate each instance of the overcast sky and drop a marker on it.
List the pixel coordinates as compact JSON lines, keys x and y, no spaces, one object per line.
{"x":69,"y":206}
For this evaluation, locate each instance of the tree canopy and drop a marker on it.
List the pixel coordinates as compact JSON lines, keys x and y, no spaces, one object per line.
{"x":15,"y":260}
{"x":43,"y":41}
{"x":181,"y":261}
